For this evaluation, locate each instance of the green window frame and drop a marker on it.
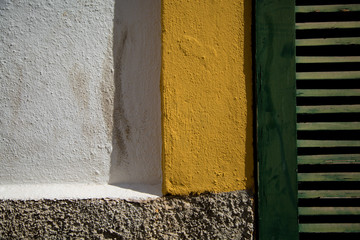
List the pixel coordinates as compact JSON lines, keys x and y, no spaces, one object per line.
{"x":276,"y":118}
{"x":318,"y":153}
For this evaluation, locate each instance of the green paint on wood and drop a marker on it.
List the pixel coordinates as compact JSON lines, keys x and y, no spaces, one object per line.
{"x":276,"y":118}
{"x":328,"y":109}
{"x":328,"y":8}
{"x":328,"y":143}
{"x":327,"y":25}
{"x":329,"y":210}
{"x":327,"y":75}
{"x":329,"y":194}
{"x":329,"y":159}
{"x":327,"y":41}
{"x":315,"y":177}
{"x":328,"y":92}
{"x":329,"y":227}
{"x":314,"y":126}
{"x":330,"y":59}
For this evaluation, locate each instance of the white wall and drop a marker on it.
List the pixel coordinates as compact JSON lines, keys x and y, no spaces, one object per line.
{"x":79,"y":91}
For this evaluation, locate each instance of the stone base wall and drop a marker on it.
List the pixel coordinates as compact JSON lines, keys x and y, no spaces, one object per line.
{"x":207,"y":216}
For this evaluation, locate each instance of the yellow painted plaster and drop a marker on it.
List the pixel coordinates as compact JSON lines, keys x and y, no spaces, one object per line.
{"x":206,"y":96}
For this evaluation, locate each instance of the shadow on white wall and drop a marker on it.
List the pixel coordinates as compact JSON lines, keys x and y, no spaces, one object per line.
{"x":136,"y":155}
{"x":79,"y":93}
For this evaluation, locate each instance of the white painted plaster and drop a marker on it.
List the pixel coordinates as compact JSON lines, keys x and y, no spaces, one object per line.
{"x":79,"y":191}
{"x":63,"y":76}
{"x":137,"y":49}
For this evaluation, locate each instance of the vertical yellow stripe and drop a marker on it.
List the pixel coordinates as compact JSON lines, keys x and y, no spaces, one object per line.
{"x":206,"y":96}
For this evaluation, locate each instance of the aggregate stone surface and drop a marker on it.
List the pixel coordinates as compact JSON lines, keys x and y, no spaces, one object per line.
{"x":206,"y":216}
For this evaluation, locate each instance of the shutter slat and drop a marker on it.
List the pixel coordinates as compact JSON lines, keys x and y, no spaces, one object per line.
{"x":327,"y":92}
{"x":327,"y":25}
{"x":328,"y":126}
{"x":327,"y":143}
{"x":329,"y":227}
{"x":328,"y":109}
{"x":327,"y":75}
{"x":330,"y":30}
{"x":327,"y":41}
{"x":328,"y":8}
{"x":329,"y":194}
{"x":329,"y":159}
{"x":315,"y":177}
{"x":329,"y":210}
{"x":330,"y":59}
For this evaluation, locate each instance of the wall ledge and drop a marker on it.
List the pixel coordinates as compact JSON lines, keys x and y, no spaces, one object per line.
{"x":135,"y":192}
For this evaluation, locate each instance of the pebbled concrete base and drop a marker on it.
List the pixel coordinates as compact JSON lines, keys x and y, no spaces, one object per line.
{"x":207,"y":216}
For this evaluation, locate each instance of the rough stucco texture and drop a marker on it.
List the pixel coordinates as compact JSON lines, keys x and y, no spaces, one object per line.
{"x":206,"y":96}
{"x":208,"y":216}
{"x":79,"y":91}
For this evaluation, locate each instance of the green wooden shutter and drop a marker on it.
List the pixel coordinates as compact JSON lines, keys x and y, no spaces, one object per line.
{"x":276,"y":118}
{"x":328,"y":118}
{"x":322,"y":140}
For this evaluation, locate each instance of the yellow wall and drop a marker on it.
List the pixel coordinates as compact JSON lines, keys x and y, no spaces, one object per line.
{"x":206,"y":96}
